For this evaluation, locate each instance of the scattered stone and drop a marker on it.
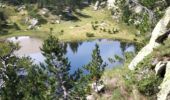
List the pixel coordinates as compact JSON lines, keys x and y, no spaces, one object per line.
{"x":138,"y":9}
{"x":111,"y":4}
{"x":137,"y":22}
{"x":97,"y":87}
{"x":68,"y":11}
{"x":2,"y":5}
{"x":20,"y":8}
{"x":90,"y":97}
{"x":33,"y":23}
{"x":103,"y":24}
{"x":44,"y":11}
{"x":96,"y":6}
{"x":103,"y":4}
{"x":54,"y":19}
{"x":138,"y":33}
{"x":26,"y":20}
{"x":71,"y":27}
{"x":57,"y":21}
{"x":155,"y":62}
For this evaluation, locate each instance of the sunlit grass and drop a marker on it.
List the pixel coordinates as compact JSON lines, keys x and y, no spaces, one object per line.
{"x":76,"y":30}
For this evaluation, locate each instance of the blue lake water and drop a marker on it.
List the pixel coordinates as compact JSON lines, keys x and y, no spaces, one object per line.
{"x":78,"y":53}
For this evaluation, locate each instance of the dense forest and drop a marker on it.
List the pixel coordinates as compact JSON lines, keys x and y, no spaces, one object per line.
{"x":62,"y":24}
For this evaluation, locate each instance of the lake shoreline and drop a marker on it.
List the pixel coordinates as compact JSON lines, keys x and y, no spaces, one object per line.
{"x":75,"y":40}
{"x":109,"y":49}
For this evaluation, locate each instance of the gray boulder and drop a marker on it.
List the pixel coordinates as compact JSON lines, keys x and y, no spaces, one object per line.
{"x":44,"y":11}
{"x":21,"y":8}
{"x":90,"y":97}
{"x":33,"y":23}
{"x":154,"y":62}
{"x":96,"y":6}
{"x":97,"y":87}
{"x":2,"y":5}
{"x":138,"y":9}
{"x":111,"y":4}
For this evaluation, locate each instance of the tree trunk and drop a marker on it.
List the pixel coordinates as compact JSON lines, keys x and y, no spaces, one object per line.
{"x":65,"y":92}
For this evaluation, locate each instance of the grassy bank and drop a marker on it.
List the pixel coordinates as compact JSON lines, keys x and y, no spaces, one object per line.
{"x":118,"y":87}
{"x":124,"y":84}
{"x":76,"y":30}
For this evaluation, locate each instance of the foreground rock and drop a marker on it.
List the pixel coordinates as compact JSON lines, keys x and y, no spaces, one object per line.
{"x":164,"y":93}
{"x":44,"y":11}
{"x":21,"y":8}
{"x":96,"y":6}
{"x":158,"y":31}
{"x":90,"y":97}
{"x":97,"y":87}
{"x":111,"y":4}
{"x":33,"y":23}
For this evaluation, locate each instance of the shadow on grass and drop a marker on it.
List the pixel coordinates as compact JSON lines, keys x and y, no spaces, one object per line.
{"x":4,"y":32}
{"x":69,"y":17}
{"x":6,"y":27}
{"x":82,"y":15}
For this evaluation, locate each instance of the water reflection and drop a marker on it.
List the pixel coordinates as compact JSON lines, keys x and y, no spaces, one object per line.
{"x":78,"y":53}
{"x":108,"y":48}
{"x":74,"y":46}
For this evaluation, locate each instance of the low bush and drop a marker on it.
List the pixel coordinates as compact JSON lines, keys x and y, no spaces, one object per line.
{"x":94,"y":27}
{"x":114,"y":30}
{"x":89,"y":34}
{"x":15,"y":25}
{"x":149,"y":85}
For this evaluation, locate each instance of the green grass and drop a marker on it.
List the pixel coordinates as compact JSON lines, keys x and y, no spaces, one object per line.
{"x":76,"y":30}
{"x":117,"y":95}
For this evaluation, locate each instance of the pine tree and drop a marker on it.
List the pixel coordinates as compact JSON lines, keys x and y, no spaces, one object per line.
{"x":58,"y":66}
{"x":64,"y":85}
{"x":96,"y":67}
{"x":20,"y":79}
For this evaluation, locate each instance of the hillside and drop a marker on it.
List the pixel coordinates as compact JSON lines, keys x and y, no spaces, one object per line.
{"x":64,"y":34}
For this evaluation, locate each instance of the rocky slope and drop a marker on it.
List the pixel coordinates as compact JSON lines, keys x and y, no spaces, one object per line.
{"x":158,"y":31}
{"x":159,"y":34}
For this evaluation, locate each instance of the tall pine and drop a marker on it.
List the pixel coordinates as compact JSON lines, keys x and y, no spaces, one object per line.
{"x":58,"y":67}
{"x":20,"y":79}
{"x":96,"y":67}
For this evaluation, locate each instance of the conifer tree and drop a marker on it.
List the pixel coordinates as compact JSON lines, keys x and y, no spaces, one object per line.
{"x":64,"y":85}
{"x":20,"y":79}
{"x":58,"y":67}
{"x":96,"y":67}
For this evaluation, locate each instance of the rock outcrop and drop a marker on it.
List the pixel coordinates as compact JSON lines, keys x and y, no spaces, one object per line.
{"x":158,"y":31}
{"x":90,"y":97}
{"x":97,"y":87}
{"x":96,"y":6}
{"x":111,"y":4}
{"x":33,"y":23}
{"x":164,"y":93}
